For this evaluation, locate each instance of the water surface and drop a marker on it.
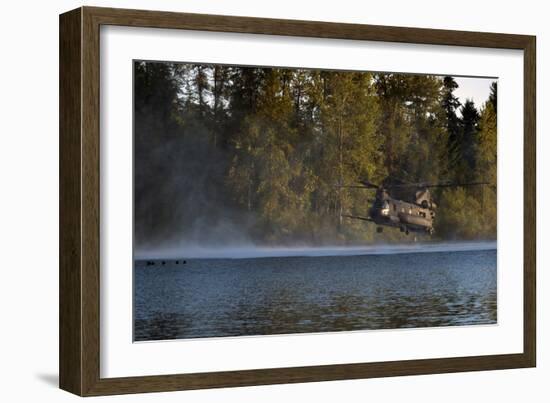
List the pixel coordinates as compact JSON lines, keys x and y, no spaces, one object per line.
{"x":305,"y":294}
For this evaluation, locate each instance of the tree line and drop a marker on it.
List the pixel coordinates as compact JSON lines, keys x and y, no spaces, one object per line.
{"x":264,"y":149}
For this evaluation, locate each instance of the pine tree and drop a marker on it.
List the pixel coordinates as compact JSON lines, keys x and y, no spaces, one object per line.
{"x":467,"y":142}
{"x":493,"y":95}
{"x":451,"y":122}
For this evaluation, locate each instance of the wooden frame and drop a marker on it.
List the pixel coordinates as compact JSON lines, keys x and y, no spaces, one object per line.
{"x":79,"y":201}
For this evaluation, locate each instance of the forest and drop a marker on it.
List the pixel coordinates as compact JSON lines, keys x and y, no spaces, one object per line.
{"x":228,"y":154}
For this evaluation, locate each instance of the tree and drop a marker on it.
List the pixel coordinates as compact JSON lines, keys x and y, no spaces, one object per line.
{"x":487,"y":166}
{"x":394,"y":129}
{"x":351,"y":146}
{"x":451,"y":122}
{"x":409,"y":124}
{"x":269,"y":148}
{"x":467,"y":143}
{"x":493,"y":95}
{"x":458,"y":217}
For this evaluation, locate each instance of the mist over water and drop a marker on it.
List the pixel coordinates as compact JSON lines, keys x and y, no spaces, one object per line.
{"x":248,"y":251}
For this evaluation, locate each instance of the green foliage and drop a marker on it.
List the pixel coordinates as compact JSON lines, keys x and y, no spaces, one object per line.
{"x":464,"y":216}
{"x":458,"y":214}
{"x":269,"y":147}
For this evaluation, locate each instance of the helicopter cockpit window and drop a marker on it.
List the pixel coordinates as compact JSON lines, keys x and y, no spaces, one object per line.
{"x":385,"y":208}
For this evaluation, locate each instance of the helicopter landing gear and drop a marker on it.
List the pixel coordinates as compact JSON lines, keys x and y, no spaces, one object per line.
{"x":379,"y":229}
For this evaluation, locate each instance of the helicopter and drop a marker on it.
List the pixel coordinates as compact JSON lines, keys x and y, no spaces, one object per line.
{"x":407,"y":206}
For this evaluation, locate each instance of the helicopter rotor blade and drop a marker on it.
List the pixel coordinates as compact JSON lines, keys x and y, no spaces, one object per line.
{"x":356,"y":187}
{"x":447,"y":185}
{"x":436,"y":185}
{"x":368,"y":184}
{"x":364,"y":184}
{"x":356,"y":217}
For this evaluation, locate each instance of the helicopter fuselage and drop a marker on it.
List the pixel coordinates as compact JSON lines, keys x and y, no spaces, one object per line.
{"x":408,"y":217}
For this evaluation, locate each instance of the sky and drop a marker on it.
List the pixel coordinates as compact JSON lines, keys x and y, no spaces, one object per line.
{"x":473,"y":88}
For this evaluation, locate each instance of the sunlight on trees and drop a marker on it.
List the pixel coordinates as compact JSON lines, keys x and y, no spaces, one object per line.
{"x":267,"y":148}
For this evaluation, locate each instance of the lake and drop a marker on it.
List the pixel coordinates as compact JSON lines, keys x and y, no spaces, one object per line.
{"x":216,"y":297}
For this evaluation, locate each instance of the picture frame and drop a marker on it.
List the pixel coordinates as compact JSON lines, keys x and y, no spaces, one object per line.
{"x":79,"y":276}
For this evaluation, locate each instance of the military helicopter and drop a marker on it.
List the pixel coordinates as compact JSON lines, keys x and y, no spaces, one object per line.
{"x":407,"y":206}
